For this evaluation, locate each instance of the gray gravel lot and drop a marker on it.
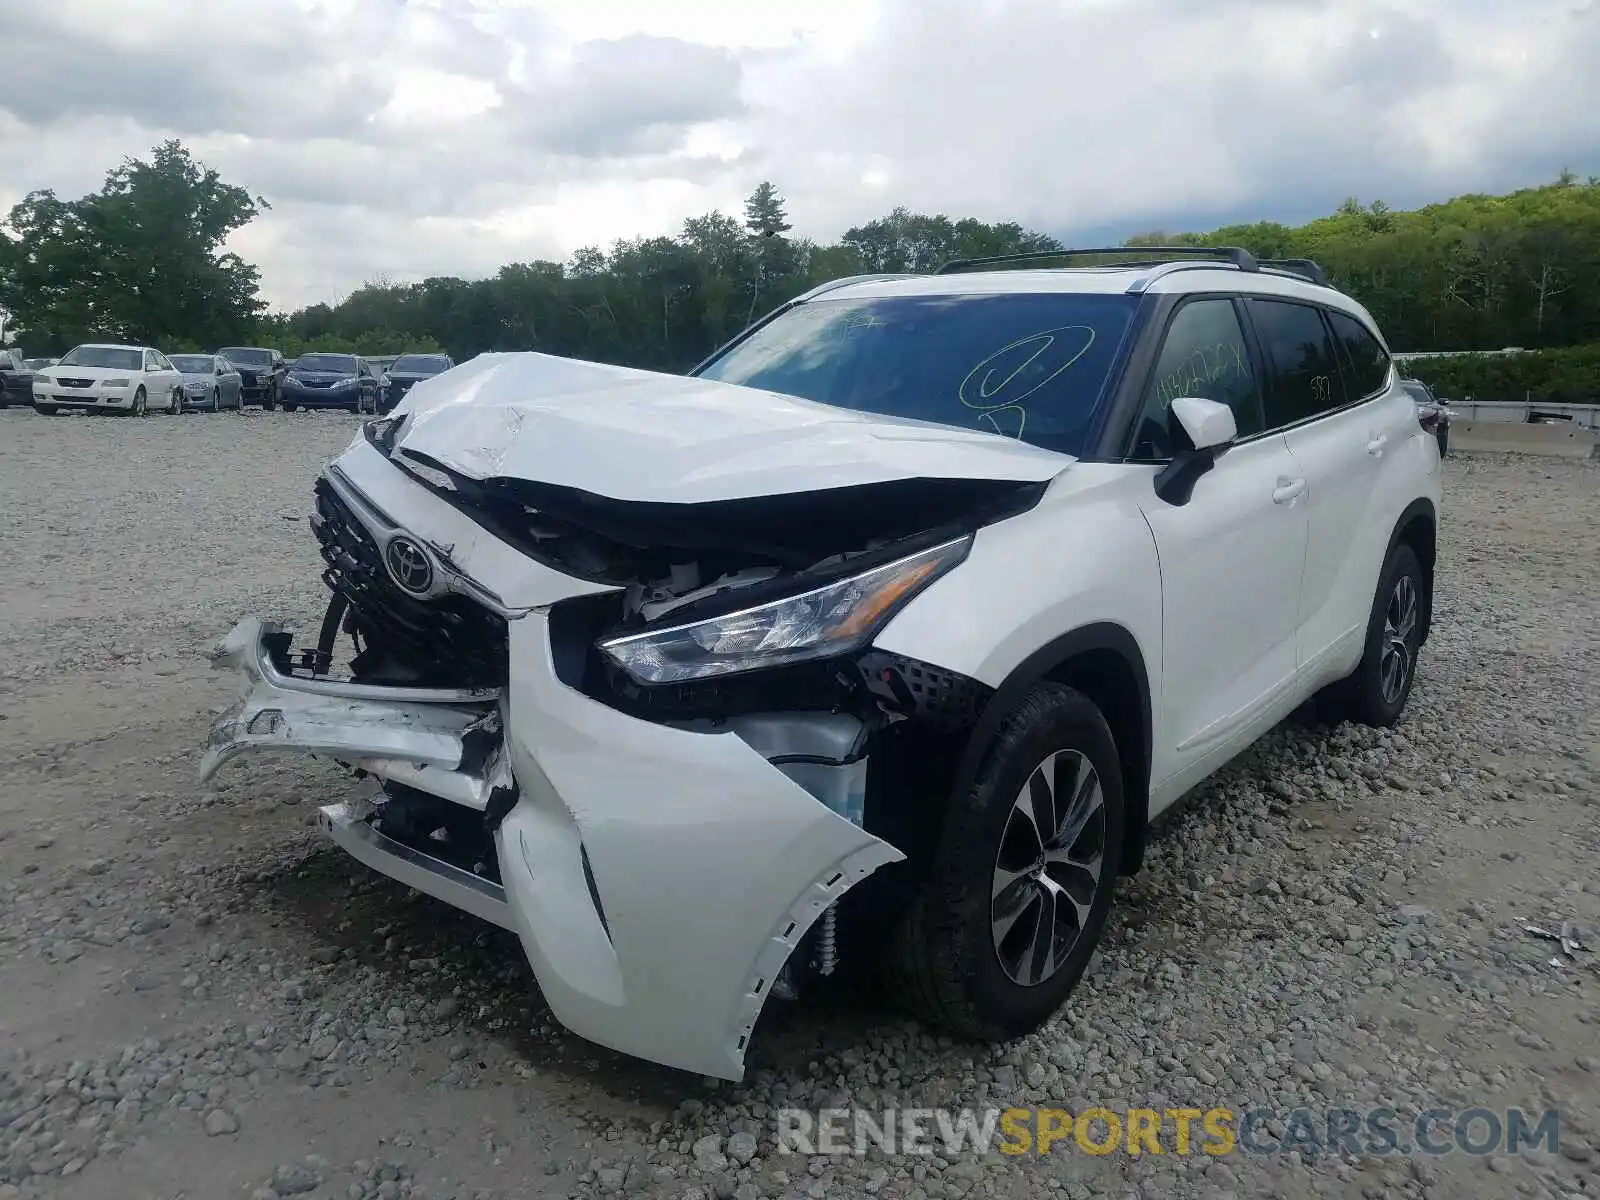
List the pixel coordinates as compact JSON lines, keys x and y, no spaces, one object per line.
{"x":197,"y":999}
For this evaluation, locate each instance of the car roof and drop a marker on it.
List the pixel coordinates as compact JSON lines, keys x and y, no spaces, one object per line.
{"x":1166,"y":278}
{"x":109,"y":346}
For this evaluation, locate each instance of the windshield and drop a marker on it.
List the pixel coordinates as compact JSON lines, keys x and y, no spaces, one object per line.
{"x":1030,"y":366}
{"x":243,"y":354}
{"x":344,"y":364}
{"x":421,"y":364}
{"x":103,"y":356}
{"x":192,"y":364}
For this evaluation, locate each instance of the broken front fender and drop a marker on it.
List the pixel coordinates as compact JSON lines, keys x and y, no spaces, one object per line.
{"x":658,"y":877}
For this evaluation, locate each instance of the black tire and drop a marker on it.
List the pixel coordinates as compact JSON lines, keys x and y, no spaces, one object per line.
{"x":1371,"y":695}
{"x":944,"y":961}
{"x":1444,"y":440}
{"x":290,"y":407}
{"x":45,"y":410}
{"x":140,"y":404}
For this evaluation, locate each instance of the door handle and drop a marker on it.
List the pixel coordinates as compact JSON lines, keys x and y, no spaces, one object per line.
{"x":1288,"y":490}
{"x":1376,"y":445}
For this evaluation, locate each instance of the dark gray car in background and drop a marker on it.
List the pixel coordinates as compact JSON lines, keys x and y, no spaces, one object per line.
{"x":408,"y":370}
{"x":261,"y":371}
{"x":1430,"y":409}
{"x":16,"y":380}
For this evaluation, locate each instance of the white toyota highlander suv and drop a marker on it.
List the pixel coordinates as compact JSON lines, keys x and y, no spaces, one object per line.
{"x":879,"y":638}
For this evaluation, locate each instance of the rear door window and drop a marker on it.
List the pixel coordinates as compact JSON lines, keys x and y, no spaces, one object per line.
{"x":1303,"y":378}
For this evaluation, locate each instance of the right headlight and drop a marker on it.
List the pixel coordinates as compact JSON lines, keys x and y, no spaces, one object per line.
{"x":833,"y":619}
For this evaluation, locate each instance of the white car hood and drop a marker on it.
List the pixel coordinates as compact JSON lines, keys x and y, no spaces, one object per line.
{"x":645,"y":436}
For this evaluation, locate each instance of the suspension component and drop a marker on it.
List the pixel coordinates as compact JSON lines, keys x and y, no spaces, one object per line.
{"x":828,"y":941}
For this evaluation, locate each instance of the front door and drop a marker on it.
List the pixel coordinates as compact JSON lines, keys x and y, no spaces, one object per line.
{"x":1231,"y":557}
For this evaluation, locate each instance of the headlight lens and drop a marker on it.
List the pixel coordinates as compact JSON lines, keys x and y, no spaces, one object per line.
{"x":344,"y":383}
{"x":114,"y":383}
{"x":833,"y":619}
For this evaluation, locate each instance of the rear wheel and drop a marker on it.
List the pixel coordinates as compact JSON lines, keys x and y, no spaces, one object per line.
{"x":288,"y":407}
{"x":1375,"y":693}
{"x":1003,"y":927}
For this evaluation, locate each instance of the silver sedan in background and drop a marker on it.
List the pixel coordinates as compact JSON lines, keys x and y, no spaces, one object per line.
{"x":210,"y":382}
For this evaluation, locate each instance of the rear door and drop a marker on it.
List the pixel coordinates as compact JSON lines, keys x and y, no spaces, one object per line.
{"x":1331,"y":390}
{"x":1231,"y":557}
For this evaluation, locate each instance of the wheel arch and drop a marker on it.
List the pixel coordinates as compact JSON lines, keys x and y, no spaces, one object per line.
{"x":1104,"y":662}
{"x":1418,"y":527}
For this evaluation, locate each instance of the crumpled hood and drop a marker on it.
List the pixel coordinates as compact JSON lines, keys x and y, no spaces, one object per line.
{"x":645,"y":436}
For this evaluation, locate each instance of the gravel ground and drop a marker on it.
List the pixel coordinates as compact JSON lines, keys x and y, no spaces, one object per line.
{"x":197,"y":999}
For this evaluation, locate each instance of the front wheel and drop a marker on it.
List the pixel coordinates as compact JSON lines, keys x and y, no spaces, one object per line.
{"x":1002,"y":928}
{"x":140,"y":401}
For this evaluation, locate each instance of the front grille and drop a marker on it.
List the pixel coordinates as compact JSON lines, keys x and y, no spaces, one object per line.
{"x":448,"y":641}
{"x":76,"y":383}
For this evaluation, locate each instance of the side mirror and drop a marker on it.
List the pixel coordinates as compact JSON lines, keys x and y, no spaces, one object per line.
{"x":1210,"y":425}
{"x":1209,"y":428}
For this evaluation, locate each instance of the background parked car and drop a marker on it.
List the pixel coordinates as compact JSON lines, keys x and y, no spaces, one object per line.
{"x":129,"y":379}
{"x":330,"y":381}
{"x":261,"y":371}
{"x":39,"y":364}
{"x":410,"y":369}
{"x":210,"y":381}
{"x":1430,"y":405}
{"x":16,"y":379}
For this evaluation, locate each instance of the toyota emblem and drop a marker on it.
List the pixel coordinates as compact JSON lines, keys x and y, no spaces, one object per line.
{"x":409,"y":565}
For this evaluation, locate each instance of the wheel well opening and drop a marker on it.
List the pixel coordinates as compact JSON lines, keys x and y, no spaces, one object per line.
{"x":1109,"y":680}
{"x":1421,"y":534}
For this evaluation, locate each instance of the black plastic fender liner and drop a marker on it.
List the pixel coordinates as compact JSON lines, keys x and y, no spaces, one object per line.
{"x":1043,"y":663}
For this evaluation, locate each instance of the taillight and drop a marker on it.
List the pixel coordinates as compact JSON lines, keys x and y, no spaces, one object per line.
{"x":1428,"y":418}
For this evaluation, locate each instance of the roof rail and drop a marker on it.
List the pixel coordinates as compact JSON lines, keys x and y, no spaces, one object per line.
{"x":1138,"y":256}
{"x":847,"y":281}
{"x":1305,"y":268}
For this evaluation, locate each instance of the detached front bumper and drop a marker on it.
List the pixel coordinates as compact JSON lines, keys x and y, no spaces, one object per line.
{"x":658,"y":877}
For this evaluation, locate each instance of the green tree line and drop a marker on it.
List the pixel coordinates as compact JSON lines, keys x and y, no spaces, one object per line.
{"x":143,"y":259}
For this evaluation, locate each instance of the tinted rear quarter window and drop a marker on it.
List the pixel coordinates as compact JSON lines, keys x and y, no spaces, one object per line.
{"x":1303,"y":379}
{"x":1365,"y":358}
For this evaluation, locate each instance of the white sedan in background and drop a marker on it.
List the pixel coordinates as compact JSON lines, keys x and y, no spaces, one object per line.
{"x":129,"y":379}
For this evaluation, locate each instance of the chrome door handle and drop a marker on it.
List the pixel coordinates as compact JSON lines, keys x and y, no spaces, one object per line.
{"x":1376,"y":445}
{"x":1288,"y":490}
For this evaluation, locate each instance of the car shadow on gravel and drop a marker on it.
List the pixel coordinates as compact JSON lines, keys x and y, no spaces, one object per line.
{"x":330,"y":908}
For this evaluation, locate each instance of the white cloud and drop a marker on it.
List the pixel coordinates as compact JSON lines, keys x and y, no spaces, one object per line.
{"x":408,"y":137}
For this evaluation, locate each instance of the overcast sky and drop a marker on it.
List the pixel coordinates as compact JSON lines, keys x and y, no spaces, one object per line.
{"x":401,"y":138}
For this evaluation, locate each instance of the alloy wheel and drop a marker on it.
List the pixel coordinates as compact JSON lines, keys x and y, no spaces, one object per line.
{"x":1048,"y":868}
{"x":1399,"y":626}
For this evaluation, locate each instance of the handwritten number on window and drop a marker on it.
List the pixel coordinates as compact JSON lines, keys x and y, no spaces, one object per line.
{"x":1017,"y":370}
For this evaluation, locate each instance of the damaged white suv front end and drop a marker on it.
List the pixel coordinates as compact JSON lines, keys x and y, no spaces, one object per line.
{"x":879,"y":639}
{"x":614,"y":669}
